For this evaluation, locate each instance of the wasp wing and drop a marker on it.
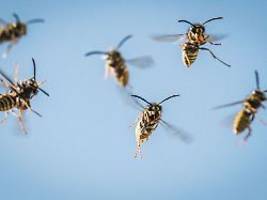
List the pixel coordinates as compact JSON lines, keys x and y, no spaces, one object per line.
{"x":8,"y":82}
{"x":183,"y":135}
{"x":215,"y":37}
{"x":141,"y":62}
{"x":228,"y":105}
{"x":169,"y":37}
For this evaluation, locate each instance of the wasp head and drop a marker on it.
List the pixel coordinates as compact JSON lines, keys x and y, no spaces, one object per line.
{"x":197,"y":29}
{"x":29,"y":88}
{"x":19,"y":28}
{"x":259,"y":95}
{"x":113,"y":55}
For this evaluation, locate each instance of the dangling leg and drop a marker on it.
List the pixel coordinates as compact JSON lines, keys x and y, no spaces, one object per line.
{"x":215,"y":43}
{"x":207,"y":38}
{"x":138,"y":151}
{"x":213,"y":55}
{"x":248,"y":135}
{"x":108,"y":72}
{"x":21,"y":121}
{"x":3,"y":121}
{"x":8,"y":49}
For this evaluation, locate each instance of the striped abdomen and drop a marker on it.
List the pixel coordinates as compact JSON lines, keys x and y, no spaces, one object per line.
{"x":147,"y":123}
{"x":189,"y":54}
{"x":118,"y":66}
{"x":7,"y":34}
{"x":7,"y":102}
{"x":242,"y":121}
{"x":122,"y":75}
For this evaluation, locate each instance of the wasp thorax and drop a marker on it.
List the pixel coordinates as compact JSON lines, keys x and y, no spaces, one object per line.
{"x":20,"y":29}
{"x":29,"y":88}
{"x":259,"y":95}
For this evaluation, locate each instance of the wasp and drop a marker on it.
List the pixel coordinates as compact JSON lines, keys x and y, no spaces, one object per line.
{"x":190,"y":52}
{"x":12,"y":32}
{"x":116,"y":65}
{"x":19,"y":96}
{"x":149,"y":119}
{"x":251,"y":104}
{"x":193,"y":40}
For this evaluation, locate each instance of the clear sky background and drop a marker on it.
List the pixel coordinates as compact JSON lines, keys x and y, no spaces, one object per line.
{"x":83,"y":147}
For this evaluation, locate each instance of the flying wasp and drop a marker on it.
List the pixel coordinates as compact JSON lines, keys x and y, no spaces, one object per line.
{"x":12,"y":32}
{"x":195,"y":34}
{"x":116,"y":65}
{"x":148,"y":121}
{"x":190,"y":52}
{"x":251,"y":104}
{"x":19,"y":96}
{"x":192,"y":40}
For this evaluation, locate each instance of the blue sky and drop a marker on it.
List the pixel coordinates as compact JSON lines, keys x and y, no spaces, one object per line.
{"x":83,"y":147}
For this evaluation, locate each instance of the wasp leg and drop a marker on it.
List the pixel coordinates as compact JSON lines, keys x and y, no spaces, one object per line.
{"x":108,"y":72}
{"x":248,"y":135}
{"x":8,"y":49}
{"x":215,"y":57}
{"x":21,"y":121}
{"x":215,"y":43}
{"x":138,"y":151}
{"x":3,"y":121}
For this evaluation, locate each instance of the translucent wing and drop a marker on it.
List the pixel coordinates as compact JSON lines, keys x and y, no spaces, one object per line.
{"x":142,"y":62}
{"x":169,"y":37}
{"x":8,"y":81}
{"x":183,"y":135}
{"x":228,"y":105}
{"x":215,"y":37}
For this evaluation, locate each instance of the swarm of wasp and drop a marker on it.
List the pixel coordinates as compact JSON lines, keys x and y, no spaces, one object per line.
{"x":193,"y":40}
{"x":251,"y":104}
{"x":148,"y":121}
{"x":19,"y":96}
{"x":116,"y":65}
{"x":13,"y":31}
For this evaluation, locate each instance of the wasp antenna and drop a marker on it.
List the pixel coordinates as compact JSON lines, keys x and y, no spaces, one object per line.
{"x":43,"y":91}
{"x":212,"y":19}
{"x":15,"y":15}
{"x":123,"y":41}
{"x":185,"y":21}
{"x":34,"y":21}
{"x":34,"y":69}
{"x":141,"y":98}
{"x":170,"y":97}
{"x":257,"y":78}
{"x":95,"y":53}
{"x":35,"y":112}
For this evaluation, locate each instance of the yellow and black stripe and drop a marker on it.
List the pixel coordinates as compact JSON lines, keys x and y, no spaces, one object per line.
{"x":7,"y":102}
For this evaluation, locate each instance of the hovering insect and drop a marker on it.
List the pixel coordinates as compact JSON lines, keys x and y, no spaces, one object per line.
{"x":149,"y":119}
{"x":192,"y":40}
{"x":190,"y":52}
{"x":195,"y":34}
{"x":116,"y":65}
{"x":13,"y":31}
{"x":251,"y":104}
{"x":19,"y":96}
